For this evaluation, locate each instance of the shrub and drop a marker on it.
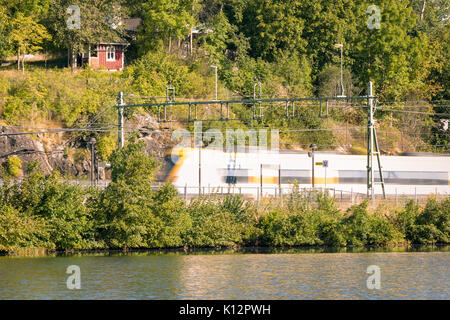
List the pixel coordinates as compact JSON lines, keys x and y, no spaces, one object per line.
{"x":284,"y":229}
{"x":220,"y":224}
{"x":432,"y":225}
{"x":14,"y":166}
{"x":19,"y":230}
{"x":362,"y":228}
{"x":65,"y":208}
{"x":125,"y":206}
{"x":124,"y":215}
{"x":307,"y":219}
{"x":152,"y":72}
{"x":173,"y":221}
{"x":404,"y":220}
{"x":105,"y":146}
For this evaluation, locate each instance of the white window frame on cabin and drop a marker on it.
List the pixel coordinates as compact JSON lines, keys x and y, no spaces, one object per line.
{"x":111,"y":50}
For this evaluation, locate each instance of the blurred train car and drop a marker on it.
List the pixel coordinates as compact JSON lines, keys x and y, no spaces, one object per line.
{"x":419,"y":174}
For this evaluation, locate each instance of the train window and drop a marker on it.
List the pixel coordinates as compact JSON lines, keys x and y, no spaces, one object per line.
{"x":231,"y":179}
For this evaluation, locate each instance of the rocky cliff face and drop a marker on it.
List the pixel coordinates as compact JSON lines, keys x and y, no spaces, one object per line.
{"x":28,"y":148}
{"x":157,"y":142}
{"x":23,"y":146}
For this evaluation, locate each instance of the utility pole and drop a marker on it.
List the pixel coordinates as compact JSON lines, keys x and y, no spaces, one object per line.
{"x":257,"y":84}
{"x":311,"y":155}
{"x":92,"y":142}
{"x":170,"y":97}
{"x":170,"y":92}
{"x":199,"y":170}
{"x":120,"y":119}
{"x":261,"y":179}
{"x":341,"y":46}
{"x":198,"y":144}
{"x":372,"y":148}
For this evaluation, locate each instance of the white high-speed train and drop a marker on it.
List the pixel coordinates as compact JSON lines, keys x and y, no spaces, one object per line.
{"x":242,"y":171}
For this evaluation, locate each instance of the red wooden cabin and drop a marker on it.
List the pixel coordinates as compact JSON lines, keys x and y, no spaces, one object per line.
{"x":110,"y":55}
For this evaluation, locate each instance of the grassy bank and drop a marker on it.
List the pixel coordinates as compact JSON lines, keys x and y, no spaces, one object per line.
{"x":46,"y":212}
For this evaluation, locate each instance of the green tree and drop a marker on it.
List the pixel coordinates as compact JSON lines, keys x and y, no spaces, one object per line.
{"x":5,"y":48}
{"x":327,"y":23}
{"x":68,"y":212}
{"x":432,"y":14}
{"x":100,"y":20}
{"x":390,"y":56}
{"x":329,"y":82}
{"x":125,"y":207}
{"x":218,"y":41}
{"x":164,"y":20}
{"x":27,"y":36}
{"x":272,"y":27}
{"x":37,"y":8}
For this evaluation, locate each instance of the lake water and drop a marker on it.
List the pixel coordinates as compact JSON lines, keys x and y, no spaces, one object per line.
{"x":292,"y":274}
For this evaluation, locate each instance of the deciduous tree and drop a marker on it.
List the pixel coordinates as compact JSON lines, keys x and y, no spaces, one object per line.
{"x":27,"y":35}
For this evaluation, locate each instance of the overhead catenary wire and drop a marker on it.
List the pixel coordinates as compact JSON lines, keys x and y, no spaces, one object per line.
{"x":56,"y":131}
{"x":418,"y":112}
{"x":46,"y":128}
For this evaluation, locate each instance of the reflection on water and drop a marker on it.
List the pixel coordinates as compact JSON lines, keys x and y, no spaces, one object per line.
{"x":287,"y":274}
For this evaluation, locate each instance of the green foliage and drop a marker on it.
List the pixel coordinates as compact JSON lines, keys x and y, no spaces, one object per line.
{"x":125,"y":205}
{"x":306,"y":220}
{"x":390,"y":56}
{"x":45,"y":212}
{"x":316,"y":221}
{"x":272,"y":27}
{"x":131,"y":164}
{"x":124,"y":214}
{"x":151,"y":73}
{"x":329,"y":82}
{"x":96,"y":17}
{"x":217,"y":42}
{"x":27,"y":35}
{"x":223,"y":224}
{"x":60,"y":96}
{"x":288,"y":229}
{"x":70,"y":224}
{"x":164,"y":20}
{"x":106,"y":145}
{"x":173,"y":221}
{"x":14,"y":166}
{"x":294,"y":72}
{"x":406,"y":58}
{"x":18,"y":230}
{"x":405,"y":219}
{"x":360,"y":227}
{"x":432,"y":225}
{"x":5,"y":48}
{"x":287,"y":45}
{"x":60,"y":212}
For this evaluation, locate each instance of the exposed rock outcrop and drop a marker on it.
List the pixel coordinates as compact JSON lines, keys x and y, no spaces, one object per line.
{"x":23,"y":146}
{"x":28,"y":148}
{"x":158,"y":142}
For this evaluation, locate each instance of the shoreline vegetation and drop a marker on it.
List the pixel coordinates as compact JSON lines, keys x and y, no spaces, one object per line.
{"x":48,"y":213}
{"x":404,"y":247}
